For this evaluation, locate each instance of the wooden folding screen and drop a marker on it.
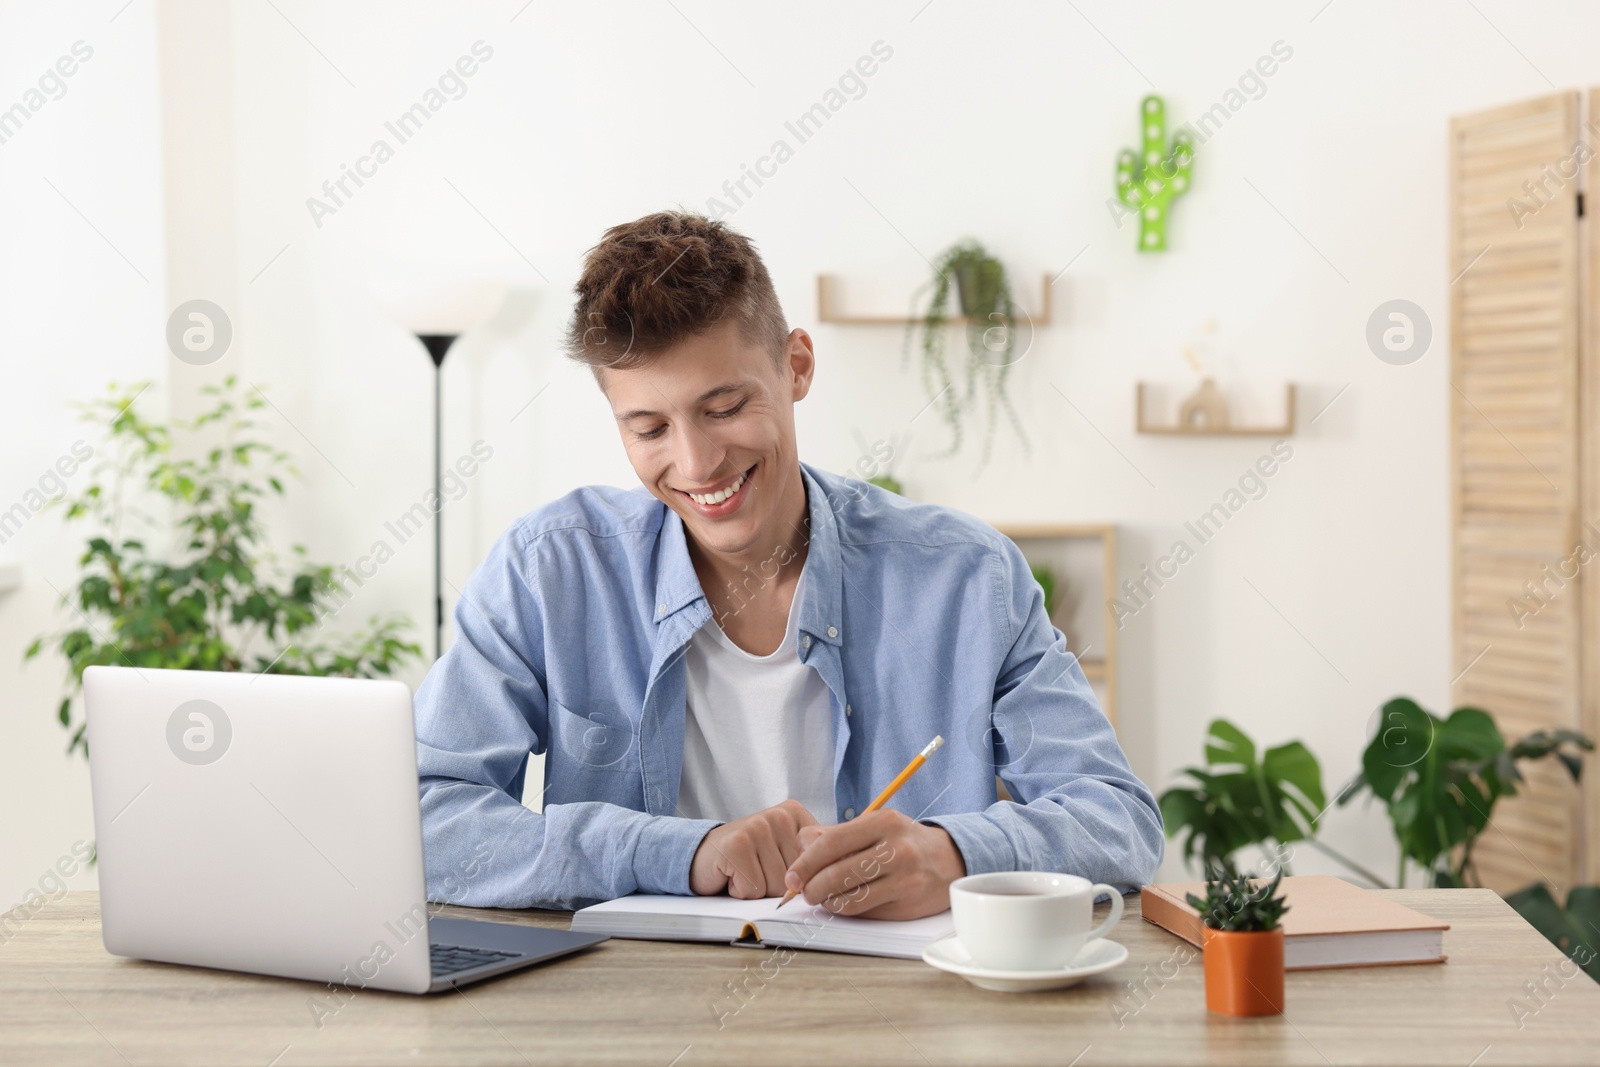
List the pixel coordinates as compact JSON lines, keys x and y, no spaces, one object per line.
{"x":1524,"y":465}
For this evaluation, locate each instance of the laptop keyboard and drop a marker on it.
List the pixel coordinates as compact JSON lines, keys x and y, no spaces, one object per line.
{"x":452,"y":959}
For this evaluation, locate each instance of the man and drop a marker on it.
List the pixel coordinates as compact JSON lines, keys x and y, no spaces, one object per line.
{"x":723,"y":670}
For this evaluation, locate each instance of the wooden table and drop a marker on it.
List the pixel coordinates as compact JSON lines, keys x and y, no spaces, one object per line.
{"x":63,"y":1000}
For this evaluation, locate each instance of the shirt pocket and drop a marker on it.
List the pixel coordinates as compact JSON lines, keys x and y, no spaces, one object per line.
{"x":595,"y":737}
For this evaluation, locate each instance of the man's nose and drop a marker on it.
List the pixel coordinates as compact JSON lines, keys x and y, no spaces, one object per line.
{"x":699,"y":457}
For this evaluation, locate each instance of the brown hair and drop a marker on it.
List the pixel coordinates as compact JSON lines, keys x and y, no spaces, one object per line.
{"x":662,"y":279}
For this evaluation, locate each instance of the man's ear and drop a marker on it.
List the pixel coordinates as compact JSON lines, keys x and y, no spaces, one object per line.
{"x":800,"y":363}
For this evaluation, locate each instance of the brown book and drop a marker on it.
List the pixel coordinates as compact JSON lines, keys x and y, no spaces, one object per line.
{"x":1330,"y":923}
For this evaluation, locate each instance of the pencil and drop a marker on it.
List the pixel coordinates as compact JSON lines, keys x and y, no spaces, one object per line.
{"x":890,"y":790}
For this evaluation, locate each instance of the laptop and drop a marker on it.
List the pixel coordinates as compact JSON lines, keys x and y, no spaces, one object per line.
{"x":271,"y":824}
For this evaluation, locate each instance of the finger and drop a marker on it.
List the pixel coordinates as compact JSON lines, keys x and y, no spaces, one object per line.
{"x":859,"y":896}
{"x":834,"y":842}
{"x":802,"y":814}
{"x":771,"y":866}
{"x":844,"y":885}
{"x":790,"y":845}
{"x":738,"y":861}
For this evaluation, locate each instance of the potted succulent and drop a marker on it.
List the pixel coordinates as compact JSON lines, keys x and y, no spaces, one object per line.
{"x":1242,"y":939}
{"x":989,"y":316}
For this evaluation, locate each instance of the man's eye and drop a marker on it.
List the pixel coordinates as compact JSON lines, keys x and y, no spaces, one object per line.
{"x":650,"y":435}
{"x":729,"y":413}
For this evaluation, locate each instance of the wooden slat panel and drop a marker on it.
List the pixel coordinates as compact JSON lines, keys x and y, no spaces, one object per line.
{"x":1587,"y":811}
{"x":1515,"y":474}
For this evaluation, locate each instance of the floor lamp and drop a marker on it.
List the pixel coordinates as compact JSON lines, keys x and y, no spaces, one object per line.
{"x":437,"y":313}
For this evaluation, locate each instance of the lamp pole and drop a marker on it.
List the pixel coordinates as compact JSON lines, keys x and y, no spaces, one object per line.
{"x":438,"y":345}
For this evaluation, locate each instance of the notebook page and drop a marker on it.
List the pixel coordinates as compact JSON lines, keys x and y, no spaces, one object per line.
{"x":666,"y":916}
{"x":797,"y":926}
{"x":803,"y":926}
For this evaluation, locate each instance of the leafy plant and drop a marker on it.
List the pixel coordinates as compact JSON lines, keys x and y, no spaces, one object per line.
{"x":889,"y":482}
{"x":1574,"y":929}
{"x":217,"y":593}
{"x":1238,"y":800}
{"x":1232,"y":904}
{"x":1441,"y":778}
{"x":954,"y":384}
{"x":1045,"y":575}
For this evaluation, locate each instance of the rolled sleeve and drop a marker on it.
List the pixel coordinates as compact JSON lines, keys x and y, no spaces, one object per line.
{"x":984,"y":847}
{"x":665,"y":852}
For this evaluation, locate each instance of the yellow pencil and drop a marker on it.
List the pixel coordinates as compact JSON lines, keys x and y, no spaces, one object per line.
{"x":890,"y":790}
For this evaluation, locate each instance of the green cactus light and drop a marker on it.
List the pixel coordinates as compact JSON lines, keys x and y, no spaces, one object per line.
{"x":1149,"y":181}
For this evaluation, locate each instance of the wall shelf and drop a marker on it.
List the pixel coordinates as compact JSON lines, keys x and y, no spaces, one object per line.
{"x":827,"y":313}
{"x":1229,"y":430}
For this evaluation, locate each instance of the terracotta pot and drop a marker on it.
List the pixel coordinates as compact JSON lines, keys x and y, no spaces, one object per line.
{"x":1244,"y":971}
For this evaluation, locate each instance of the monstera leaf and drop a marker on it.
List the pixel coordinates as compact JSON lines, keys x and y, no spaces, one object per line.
{"x":1441,"y":778}
{"x":1237,"y":800}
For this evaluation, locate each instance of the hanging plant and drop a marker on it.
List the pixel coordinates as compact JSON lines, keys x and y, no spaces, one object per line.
{"x":957,"y":381}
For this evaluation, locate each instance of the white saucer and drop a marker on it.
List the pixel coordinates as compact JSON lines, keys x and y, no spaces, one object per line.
{"x":1098,"y":955}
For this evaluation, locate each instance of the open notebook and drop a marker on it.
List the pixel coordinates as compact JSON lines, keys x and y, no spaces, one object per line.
{"x":759,"y":922}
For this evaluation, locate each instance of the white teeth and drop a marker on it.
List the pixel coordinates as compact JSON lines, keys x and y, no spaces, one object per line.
{"x":719,"y":496}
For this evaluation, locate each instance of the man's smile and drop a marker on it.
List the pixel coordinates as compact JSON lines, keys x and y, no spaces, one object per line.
{"x":721,"y":499}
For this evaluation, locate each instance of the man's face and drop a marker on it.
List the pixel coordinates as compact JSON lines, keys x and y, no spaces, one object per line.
{"x":709,"y":428}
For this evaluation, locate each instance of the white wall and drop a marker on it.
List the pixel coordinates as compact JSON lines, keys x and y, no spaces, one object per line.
{"x":82,"y":294}
{"x":1315,"y":203}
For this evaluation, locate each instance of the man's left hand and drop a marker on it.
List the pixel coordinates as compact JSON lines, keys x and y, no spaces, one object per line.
{"x":881,"y":865}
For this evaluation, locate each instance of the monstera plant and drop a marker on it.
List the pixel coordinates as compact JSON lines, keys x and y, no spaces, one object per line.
{"x":1440,"y":779}
{"x":1238,"y":800}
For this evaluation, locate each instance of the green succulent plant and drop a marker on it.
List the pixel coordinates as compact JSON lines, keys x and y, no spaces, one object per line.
{"x":1233,"y":904}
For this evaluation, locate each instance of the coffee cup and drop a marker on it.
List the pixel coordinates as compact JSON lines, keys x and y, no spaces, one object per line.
{"x":1028,"y":920}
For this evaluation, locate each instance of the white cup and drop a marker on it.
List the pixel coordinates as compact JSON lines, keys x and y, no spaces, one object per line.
{"x":1027,"y":920}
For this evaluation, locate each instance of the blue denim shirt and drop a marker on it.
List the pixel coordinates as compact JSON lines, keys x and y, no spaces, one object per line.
{"x":922,"y":620}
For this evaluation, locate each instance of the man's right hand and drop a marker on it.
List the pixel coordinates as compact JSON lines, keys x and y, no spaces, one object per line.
{"x":748,"y":857}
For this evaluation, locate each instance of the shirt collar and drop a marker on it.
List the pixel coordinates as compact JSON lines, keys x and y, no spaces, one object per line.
{"x":677,"y":585}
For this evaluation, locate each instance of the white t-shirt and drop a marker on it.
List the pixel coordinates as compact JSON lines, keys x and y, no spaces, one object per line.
{"x":758,"y":729}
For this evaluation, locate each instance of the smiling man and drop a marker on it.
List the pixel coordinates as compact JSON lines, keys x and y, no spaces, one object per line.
{"x":723,"y":669}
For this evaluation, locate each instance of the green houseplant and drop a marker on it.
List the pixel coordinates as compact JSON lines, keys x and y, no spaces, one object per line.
{"x":957,"y":382}
{"x":1242,"y":938}
{"x":1574,"y":928}
{"x":1045,"y":575}
{"x":215,"y":599}
{"x":1440,"y":778}
{"x":1238,"y":800}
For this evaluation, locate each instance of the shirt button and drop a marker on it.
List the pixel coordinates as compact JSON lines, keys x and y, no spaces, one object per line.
{"x":661,"y":608}
{"x":849,"y":813}
{"x":833,"y":631}
{"x":805,"y":640}
{"x":847,"y":711}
